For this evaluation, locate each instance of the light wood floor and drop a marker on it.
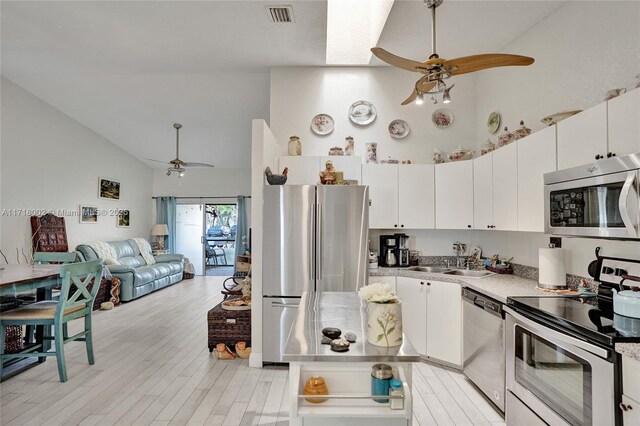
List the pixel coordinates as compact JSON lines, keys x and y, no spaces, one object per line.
{"x":153,"y":367}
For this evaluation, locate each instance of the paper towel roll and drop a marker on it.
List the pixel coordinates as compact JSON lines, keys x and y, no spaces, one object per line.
{"x":552,"y":269}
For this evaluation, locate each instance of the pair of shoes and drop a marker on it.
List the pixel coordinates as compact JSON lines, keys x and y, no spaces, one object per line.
{"x":242,"y":350}
{"x":223,"y":352}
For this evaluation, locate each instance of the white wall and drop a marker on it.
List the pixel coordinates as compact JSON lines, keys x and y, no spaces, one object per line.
{"x":581,"y":51}
{"x":299,"y":93}
{"x":50,"y":161}
{"x":216,"y":182}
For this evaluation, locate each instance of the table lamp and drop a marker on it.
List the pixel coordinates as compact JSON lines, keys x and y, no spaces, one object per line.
{"x":160,"y":230}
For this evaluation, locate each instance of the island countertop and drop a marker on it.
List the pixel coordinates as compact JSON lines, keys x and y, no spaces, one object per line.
{"x":347,"y":312}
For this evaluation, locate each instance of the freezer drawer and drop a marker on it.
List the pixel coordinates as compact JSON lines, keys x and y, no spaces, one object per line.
{"x":278,"y":314}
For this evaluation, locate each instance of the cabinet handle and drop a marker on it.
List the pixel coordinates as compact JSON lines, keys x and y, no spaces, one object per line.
{"x":468,"y":226}
{"x":488,"y":226}
{"x":598,"y":156}
{"x":395,"y":226}
{"x":421,"y":282}
{"x":401,"y":226}
{"x":625,"y":407}
{"x":428,"y":283}
{"x":609,"y":155}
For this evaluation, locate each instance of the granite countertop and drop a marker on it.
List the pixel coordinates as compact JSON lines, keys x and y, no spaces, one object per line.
{"x":632,"y":350}
{"x":346,"y":311}
{"x":496,"y":286}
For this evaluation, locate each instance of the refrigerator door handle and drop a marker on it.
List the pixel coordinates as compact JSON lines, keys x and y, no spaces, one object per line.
{"x":320,"y":242}
{"x":284,"y":305}
{"x":310,"y":223}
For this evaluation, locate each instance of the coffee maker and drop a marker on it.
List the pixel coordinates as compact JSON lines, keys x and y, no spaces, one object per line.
{"x":388,"y":251}
{"x":403,"y":250}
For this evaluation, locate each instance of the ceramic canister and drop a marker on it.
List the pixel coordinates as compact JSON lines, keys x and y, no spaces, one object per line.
{"x":381,"y":375}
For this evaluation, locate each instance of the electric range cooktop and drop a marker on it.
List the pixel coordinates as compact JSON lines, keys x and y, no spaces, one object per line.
{"x":590,"y":318}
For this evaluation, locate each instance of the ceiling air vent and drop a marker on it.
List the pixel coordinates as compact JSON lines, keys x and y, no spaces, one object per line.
{"x":280,"y":14}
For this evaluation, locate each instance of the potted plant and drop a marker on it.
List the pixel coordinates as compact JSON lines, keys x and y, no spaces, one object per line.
{"x":384,"y":315}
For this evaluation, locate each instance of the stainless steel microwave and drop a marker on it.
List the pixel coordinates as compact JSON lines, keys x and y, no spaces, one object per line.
{"x":598,"y":200}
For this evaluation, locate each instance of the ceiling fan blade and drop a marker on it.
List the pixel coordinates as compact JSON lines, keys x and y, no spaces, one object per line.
{"x":474,"y":63}
{"x":423,"y":85}
{"x":157,"y":161}
{"x":411,"y":98}
{"x":398,"y":61}
{"x":197,"y":165}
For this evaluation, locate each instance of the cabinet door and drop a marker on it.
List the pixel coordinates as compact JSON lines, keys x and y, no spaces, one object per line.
{"x":302,"y":170}
{"x":505,"y":188}
{"x":582,"y":137}
{"x":391,"y":280}
{"x":483,"y":192}
{"x":536,"y":156}
{"x":412,"y":294}
{"x":350,"y":166}
{"x":383,"y":193}
{"x":624,"y":124}
{"x":630,"y":416}
{"x":416,"y":196}
{"x":454,"y":195}
{"x":444,"y":321}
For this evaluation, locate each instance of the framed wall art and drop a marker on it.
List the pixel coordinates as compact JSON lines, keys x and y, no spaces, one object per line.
{"x":88,"y":214}
{"x":108,"y":189}
{"x":123,"y":219}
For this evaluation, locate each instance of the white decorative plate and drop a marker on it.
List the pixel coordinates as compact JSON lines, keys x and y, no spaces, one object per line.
{"x":322,"y":124}
{"x":493,"y":122}
{"x":399,"y":129}
{"x":362,"y":113}
{"x":442,"y":118}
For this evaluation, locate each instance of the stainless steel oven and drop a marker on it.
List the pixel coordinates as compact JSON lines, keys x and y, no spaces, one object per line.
{"x":595,"y":200}
{"x":555,"y":377}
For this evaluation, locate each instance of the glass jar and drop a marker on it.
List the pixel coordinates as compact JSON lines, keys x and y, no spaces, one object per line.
{"x":381,"y":375}
{"x":395,"y":389}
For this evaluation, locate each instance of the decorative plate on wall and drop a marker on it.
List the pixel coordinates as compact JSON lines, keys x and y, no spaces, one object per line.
{"x":362,"y":113}
{"x":399,"y":129}
{"x":322,"y":124}
{"x":442,"y":118}
{"x":493,"y":122}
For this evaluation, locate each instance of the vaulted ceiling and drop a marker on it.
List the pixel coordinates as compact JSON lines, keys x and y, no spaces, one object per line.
{"x":129,"y":69}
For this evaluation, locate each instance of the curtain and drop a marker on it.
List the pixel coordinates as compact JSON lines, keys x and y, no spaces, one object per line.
{"x":166,"y":213}
{"x":241,"y":230}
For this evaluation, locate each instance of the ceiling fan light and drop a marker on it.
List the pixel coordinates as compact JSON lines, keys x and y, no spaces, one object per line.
{"x":168,"y":172}
{"x":420,"y":99}
{"x":446,"y":98}
{"x":181,"y":174}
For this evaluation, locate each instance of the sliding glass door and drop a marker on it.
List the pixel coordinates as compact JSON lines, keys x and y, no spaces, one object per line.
{"x":189,"y":231}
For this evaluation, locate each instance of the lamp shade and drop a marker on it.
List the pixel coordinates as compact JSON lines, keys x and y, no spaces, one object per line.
{"x":160,"y":229}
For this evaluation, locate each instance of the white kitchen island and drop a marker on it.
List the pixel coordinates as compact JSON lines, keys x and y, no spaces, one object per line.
{"x":347,"y":374}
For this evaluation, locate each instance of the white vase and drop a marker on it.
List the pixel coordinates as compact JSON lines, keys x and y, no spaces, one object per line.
{"x":384,"y":324}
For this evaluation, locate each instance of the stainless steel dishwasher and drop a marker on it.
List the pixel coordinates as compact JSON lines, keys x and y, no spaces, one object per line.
{"x":483,"y":344}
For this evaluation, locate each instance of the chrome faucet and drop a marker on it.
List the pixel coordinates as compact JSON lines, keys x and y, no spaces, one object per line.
{"x":460,"y":249}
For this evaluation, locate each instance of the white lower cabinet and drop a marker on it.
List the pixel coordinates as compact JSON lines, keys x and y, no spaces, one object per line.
{"x":444,"y":321}
{"x":630,"y":411}
{"x":413,"y":295}
{"x":432,"y":317}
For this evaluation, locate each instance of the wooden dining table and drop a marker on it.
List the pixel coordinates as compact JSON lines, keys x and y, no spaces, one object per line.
{"x":16,"y":279}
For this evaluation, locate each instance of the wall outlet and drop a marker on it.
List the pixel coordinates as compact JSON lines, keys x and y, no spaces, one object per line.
{"x":556,"y":241}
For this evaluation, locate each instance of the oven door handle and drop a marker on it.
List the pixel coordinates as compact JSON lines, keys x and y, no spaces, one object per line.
{"x":624,"y":205}
{"x":548,"y":333}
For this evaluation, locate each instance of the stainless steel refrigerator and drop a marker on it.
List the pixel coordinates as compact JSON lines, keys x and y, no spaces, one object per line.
{"x":315,"y":239}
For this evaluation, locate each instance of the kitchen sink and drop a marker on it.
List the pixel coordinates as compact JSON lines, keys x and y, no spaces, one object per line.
{"x":433,"y":269}
{"x":468,"y":273}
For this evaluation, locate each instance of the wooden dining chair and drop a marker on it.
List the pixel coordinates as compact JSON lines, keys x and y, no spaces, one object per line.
{"x":44,"y":257}
{"x":76,"y":302}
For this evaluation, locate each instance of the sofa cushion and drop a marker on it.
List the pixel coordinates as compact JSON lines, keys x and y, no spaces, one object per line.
{"x":176,"y":267}
{"x":161,"y":270}
{"x":144,"y":275}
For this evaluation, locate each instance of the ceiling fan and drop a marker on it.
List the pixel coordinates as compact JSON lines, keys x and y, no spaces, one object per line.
{"x":437,"y":69}
{"x":177,"y":165}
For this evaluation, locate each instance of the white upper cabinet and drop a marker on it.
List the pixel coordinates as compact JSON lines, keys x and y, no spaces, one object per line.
{"x":454,"y":195}
{"x":505,"y":188}
{"x":582,"y":139}
{"x":383,"y":194}
{"x":302,"y":170}
{"x":536,"y":156}
{"x":483,"y":192}
{"x":416,"y":194}
{"x":412,"y":293}
{"x":444,"y":321}
{"x":351,"y":167}
{"x":624,"y":124}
